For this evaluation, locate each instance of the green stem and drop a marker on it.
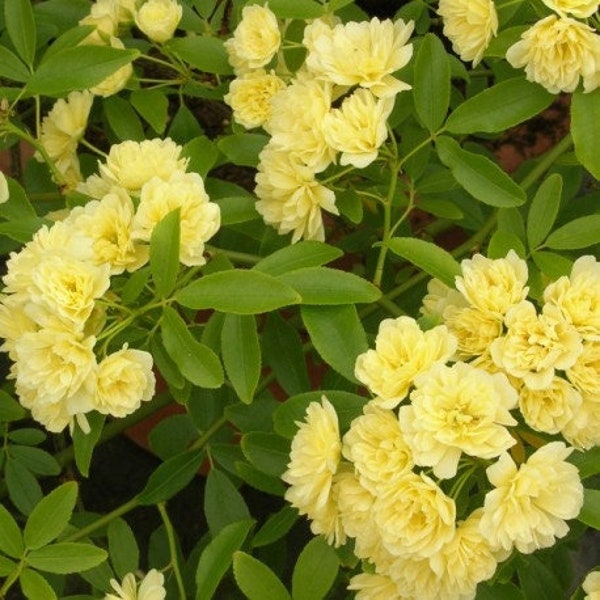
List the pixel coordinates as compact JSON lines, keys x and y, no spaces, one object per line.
{"x":93,"y":148}
{"x":241,"y":257}
{"x":172,"y":548}
{"x":12,"y":578}
{"x":546,"y":161}
{"x":205,"y":437}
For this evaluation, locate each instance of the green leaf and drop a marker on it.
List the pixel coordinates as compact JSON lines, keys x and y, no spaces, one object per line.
{"x":585,"y":129}
{"x":36,"y":460}
{"x":590,"y":511}
{"x":256,"y":580}
{"x":204,"y":53}
{"x":316,"y":557}
{"x":537,"y":581}
{"x":587,"y":462}
{"x":153,"y":107}
{"x":7,"y":566}
{"x":307,"y":253}
{"x":21,"y":230}
{"x":164,"y":253}
{"x":10,"y":409}
{"x":66,"y":557}
{"x":499,"y":107}
{"x":167,"y":367}
{"x":20,"y":26}
{"x":299,"y":9}
{"x":223,"y":504}
{"x":50,"y":516}
{"x":431,"y":88}
{"x":171,"y":477}
{"x":35,"y":586}
{"x":242,"y":148}
{"x":203,"y":155}
{"x":122,"y":119}
{"x":268,"y":452}
{"x":11,"y":67}
{"x":238,"y":291}
{"x":337,"y":334}
{"x":259,"y":480}
{"x":503,"y":241}
{"x":322,"y":285}
{"x":499,"y":591}
{"x":70,"y":38}
{"x":23,"y":489}
{"x":11,"y":539}
{"x":579,"y":233}
{"x":544,"y":209}
{"x":477,"y":174}
{"x":18,"y":205}
{"x":282,"y":348}
{"x":122,"y":547}
{"x":551,"y":264}
{"x":236,"y":209}
{"x":241,"y":354}
{"x":216,"y":558}
{"x":275,"y":527}
{"x":428,"y":257}
{"x":84,"y":443}
{"x":77,"y":68}
{"x":197,"y":362}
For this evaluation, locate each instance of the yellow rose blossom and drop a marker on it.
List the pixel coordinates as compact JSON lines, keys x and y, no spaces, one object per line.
{"x":402,"y":351}
{"x":376,"y":447}
{"x":199,"y":218}
{"x":454,"y":410}
{"x":583,"y":430}
{"x":290,"y":198}
{"x":372,"y":586}
{"x":116,"y":81}
{"x":474,"y":329}
{"x":295,"y":124}
{"x":4,"y":192}
{"x":358,"y":128}
{"x":317,"y":27}
{"x":591,"y":586}
{"x":104,"y":15}
{"x":550,"y":410}
{"x":14,"y":322}
{"x":530,"y":504}
{"x":158,"y":19}
{"x":581,"y":9}
{"x":535,"y":346}
{"x":150,"y":588}
{"x":364,"y":54}
{"x":415,"y":578}
{"x":578,"y":296}
{"x":557,"y":52}
{"x":414,"y":516}
{"x":124,"y":380}
{"x":469,"y":25}
{"x":439,"y":297}
{"x":493,"y":285}
{"x":250,"y":97}
{"x":314,"y":457}
{"x":255,"y":40}
{"x":585,"y":372}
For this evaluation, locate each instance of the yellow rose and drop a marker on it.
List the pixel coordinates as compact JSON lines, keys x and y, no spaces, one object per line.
{"x":372,"y":586}
{"x":440,"y":296}
{"x":250,"y":97}
{"x":469,"y":25}
{"x":529,"y":505}
{"x":591,"y":585}
{"x":158,"y":19}
{"x":199,"y":218}
{"x":583,"y":430}
{"x":585,"y":373}
{"x":581,"y":9}
{"x":416,"y":579}
{"x":14,"y":322}
{"x":4,"y":193}
{"x":557,"y":53}
{"x":116,"y":81}
{"x":290,"y":198}
{"x":364,"y":54}
{"x":255,"y":40}
{"x":402,"y":351}
{"x":474,"y":329}
{"x":358,"y":128}
{"x":104,"y":15}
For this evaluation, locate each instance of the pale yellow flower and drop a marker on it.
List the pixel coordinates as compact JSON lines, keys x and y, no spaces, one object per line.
{"x":250,"y":97}
{"x":314,"y":457}
{"x":474,"y":329}
{"x":591,"y":586}
{"x":372,"y":586}
{"x":583,"y":430}
{"x":581,"y":9}
{"x":529,"y":505}
{"x":557,"y":52}
{"x":97,"y":187}
{"x":150,"y":588}
{"x":199,"y":218}
{"x":4,"y":193}
{"x":535,"y":346}
{"x":402,"y":351}
{"x":362,"y":53}
{"x":158,"y":19}
{"x":578,"y":296}
{"x":469,"y":25}
{"x":124,"y":380}
{"x":131,"y":164}
{"x":116,"y":81}
{"x":358,"y":128}
{"x":296,"y":120}
{"x":108,"y":223}
{"x":255,"y":40}
{"x":585,"y":372}
{"x":454,"y":410}
{"x":414,"y":516}
{"x":416,"y":580}
{"x":317,"y":27}
{"x":104,"y":15}
{"x":439,"y":297}
{"x":549,"y":410}
{"x":493,"y":285}
{"x":290,"y":197}
{"x":376,"y":447}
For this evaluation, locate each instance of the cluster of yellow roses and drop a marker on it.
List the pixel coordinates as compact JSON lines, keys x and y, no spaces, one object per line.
{"x":336,"y":104}
{"x":57,"y":302}
{"x":442,"y":410}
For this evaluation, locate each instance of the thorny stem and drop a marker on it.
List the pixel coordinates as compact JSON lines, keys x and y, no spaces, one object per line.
{"x":172,"y":548}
